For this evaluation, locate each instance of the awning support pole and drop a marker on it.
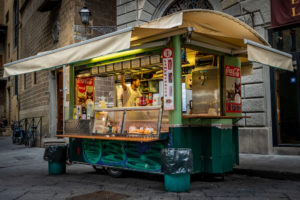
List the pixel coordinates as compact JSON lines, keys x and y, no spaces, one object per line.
{"x":72,"y":91}
{"x":175,"y":117}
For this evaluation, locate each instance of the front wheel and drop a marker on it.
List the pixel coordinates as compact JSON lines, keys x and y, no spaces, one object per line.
{"x":114,"y":172}
{"x":98,"y":169}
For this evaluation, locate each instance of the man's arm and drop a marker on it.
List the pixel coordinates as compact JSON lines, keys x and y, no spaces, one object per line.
{"x":123,"y":82}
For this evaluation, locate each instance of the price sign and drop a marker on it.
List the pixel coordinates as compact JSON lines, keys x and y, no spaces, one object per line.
{"x":118,"y":66}
{"x":168,"y":79}
{"x":110,"y":68}
{"x":101,"y":69}
{"x":145,"y":61}
{"x":94,"y":70}
{"x":135,"y":63}
{"x":155,"y":59}
{"x":126,"y":65}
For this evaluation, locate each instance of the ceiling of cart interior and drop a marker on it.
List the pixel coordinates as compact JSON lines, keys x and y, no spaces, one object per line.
{"x":209,"y":29}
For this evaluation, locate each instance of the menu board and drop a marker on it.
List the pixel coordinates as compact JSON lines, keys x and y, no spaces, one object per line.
{"x":155,"y":59}
{"x":233,"y":89}
{"x":135,"y":63}
{"x":126,"y":64}
{"x":110,"y":68}
{"x":145,"y":61}
{"x":94,"y":70}
{"x":118,"y":66}
{"x":101,"y":69}
{"x":168,"y":79}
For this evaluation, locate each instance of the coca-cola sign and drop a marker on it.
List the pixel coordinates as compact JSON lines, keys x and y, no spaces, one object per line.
{"x":232,"y":71}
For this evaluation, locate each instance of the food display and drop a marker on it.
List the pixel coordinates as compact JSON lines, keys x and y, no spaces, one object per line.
{"x":141,"y":130}
{"x":128,"y":121}
{"x":108,"y":122}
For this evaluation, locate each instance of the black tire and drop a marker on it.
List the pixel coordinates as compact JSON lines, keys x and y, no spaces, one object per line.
{"x":115,"y":173}
{"x":20,"y":141}
{"x":98,"y":169}
{"x":30,"y":142}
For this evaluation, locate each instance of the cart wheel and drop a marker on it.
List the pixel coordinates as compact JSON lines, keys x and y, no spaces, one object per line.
{"x":114,"y":172}
{"x":98,"y":169}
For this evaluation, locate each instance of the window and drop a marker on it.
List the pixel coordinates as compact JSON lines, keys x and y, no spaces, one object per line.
{"x":8,"y":50}
{"x":24,"y":81}
{"x":34,"y":78}
{"x":16,"y":85}
{"x":7,"y":17}
{"x":16,"y":23}
{"x":287,"y":39}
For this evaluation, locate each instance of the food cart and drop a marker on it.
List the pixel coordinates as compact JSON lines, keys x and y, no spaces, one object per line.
{"x":190,"y":66}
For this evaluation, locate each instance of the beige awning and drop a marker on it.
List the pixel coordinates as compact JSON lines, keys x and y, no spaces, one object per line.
{"x":269,"y":56}
{"x":73,"y":53}
{"x":209,"y":29}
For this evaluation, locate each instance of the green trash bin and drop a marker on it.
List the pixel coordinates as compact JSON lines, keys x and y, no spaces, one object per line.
{"x":56,"y":157}
{"x":177,"y":182}
{"x":177,"y":164}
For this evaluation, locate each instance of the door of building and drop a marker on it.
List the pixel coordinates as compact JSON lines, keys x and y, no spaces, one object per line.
{"x":285,"y":88}
{"x":60,"y":102}
{"x":288,"y":106}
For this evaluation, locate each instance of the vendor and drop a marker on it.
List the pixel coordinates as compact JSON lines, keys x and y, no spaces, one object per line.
{"x":131,"y":93}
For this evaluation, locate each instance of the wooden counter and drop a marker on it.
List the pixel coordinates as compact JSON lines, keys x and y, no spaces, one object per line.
{"x":117,"y":138}
{"x":191,"y":116}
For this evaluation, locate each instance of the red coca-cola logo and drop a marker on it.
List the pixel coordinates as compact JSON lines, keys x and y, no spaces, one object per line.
{"x":232,"y":71}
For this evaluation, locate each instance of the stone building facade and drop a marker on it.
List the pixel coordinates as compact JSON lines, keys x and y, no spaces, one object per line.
{"x":256,"y":135}
{"x":44,"y":26}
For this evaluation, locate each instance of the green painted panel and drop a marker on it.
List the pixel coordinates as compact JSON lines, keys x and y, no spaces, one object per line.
{"x":91,"y":150}
{"x":75,"y":150}
{"x":113,"y":152}
{"x":146,"y":157}
{"x":235,"y":142}
{"x":212,"y":147}
{"x":207,"y":122}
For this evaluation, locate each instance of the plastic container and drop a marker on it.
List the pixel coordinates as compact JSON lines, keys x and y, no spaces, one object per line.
{"x":56,"y":157}
{"x":177,"y":164}
{"x":177,"y":182}
{"x":55,"y":168}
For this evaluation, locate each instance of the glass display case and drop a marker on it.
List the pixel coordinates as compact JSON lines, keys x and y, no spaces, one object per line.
{"x":141,"y":121}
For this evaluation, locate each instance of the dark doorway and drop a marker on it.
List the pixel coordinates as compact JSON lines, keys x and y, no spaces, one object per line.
{"x":288,"y":107}
{"x":60,"y":101}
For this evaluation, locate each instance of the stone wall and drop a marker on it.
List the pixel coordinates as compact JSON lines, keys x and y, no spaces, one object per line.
{"x":255,"y":132}
{"x":11,"y":54}
{"x":40,"y":32}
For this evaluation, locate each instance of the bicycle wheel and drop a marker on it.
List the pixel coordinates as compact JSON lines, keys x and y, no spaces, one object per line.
{"x":31,"y":140}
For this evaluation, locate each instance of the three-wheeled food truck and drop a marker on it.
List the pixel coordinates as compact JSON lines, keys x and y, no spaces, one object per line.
{"x":189,"y":65}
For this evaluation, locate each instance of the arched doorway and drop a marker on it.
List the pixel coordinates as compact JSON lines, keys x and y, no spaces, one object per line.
{"x":167,"y":7}
{"x":179,"y":5}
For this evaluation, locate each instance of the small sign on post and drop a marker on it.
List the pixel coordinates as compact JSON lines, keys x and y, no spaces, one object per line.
{"x":168,"y":79}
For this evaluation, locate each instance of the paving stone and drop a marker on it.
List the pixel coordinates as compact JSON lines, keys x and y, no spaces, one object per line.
{"x":28,"y":179}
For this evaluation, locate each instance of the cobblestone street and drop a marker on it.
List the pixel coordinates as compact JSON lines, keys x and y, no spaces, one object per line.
{"x":24,"y":175}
